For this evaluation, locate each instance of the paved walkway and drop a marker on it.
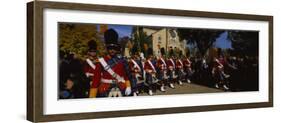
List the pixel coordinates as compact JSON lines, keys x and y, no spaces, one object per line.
{"x":185,"y":89}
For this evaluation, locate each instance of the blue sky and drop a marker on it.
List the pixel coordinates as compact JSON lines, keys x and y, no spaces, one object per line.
{"x":124,"y":30}
{"x":223,"y":42}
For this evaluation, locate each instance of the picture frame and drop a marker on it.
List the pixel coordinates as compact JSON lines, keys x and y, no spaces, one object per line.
{"x":35,"y":60}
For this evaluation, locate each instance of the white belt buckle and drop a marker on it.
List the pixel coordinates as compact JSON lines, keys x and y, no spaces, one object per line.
{"x":115,"y":92}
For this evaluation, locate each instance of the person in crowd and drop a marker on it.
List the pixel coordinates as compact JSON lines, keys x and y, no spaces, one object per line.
{"x":65,"y":83}
{"x":76,"y":81}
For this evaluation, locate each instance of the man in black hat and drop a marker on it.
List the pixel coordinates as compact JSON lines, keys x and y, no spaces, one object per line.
{"x":162,"y":69}
{"x":171,"y":65}
{"x":179,"y":69}
{"x":90,"y":65}
{"x":150,"y":71}
{"x":187,"y":68}
{"x":136,"y":71}
{"x":110,"y":77}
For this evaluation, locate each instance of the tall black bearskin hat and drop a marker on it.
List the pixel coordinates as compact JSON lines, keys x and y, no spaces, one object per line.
{"x":149,"y":51}
{"x":187,"y":53}
{"x":111,"y":39}
{"x":180,"y":54}
{"x":171,"y":53}
{"x":162,"y":50}
{"x":92,"y":46}
{"x":134,"y":51}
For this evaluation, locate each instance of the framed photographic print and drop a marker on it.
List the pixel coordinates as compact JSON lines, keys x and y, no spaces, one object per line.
{"x":90,"y":61}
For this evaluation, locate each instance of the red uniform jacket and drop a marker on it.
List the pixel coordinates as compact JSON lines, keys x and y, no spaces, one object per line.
{"x":218,"y":65}
{"x":187,"y":63}
{"x":101,"y":74}
{"x":222,"y":61}
{"x":148,"y":66}
{"x":179,"y":64}
{"x":134,"y":69}
{"x":171,"y":64}
{"x":90,"y":70}
{"x":161,"y":64}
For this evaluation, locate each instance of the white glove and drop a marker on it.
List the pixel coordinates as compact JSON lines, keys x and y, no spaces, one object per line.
{"x":128,"y":91}
{"x":89,"y":74}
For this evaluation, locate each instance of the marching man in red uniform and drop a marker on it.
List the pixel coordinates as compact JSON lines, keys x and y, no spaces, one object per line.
{"x":162,"y":67}
{"x":150,"y":71}
{"x":218,"y":72}
{"x":110,"y":76}
{"x":179,"y":70}
{"x":135,"y":66}
{"x":187,"y":69}
{"x":90,"y":66}
{"x":171,"y":70}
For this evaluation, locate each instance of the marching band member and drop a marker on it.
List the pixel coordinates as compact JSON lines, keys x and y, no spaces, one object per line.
{"x":218,"y":72}
{"x":90,"y":66}
{"x":162,"y":70}
{"x":150,"y":71}
{"x":110,"y":77}
{"x":187,"y":69}
{"x":179,"y":70}
{"x":135,"y":66}
{"x":171,"y":70}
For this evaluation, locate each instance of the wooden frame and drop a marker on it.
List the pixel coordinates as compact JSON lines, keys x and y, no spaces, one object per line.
{"x":35,"y":60}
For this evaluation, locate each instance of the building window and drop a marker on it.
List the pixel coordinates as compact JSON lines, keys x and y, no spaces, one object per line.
{"x":159,"y":39}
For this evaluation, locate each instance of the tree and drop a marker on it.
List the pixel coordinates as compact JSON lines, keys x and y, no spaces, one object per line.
{"x":125,"y":43}
{"x":74,"y":38}
{"x":203,"y":39}
{"x":141,"y":40}
{"x":244,"y":42}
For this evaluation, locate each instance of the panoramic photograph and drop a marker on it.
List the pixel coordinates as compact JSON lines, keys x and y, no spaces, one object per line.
{"x":110,"y":60}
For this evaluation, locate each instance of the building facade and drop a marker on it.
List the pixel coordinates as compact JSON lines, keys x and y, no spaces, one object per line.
{"x":166,"y":38}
